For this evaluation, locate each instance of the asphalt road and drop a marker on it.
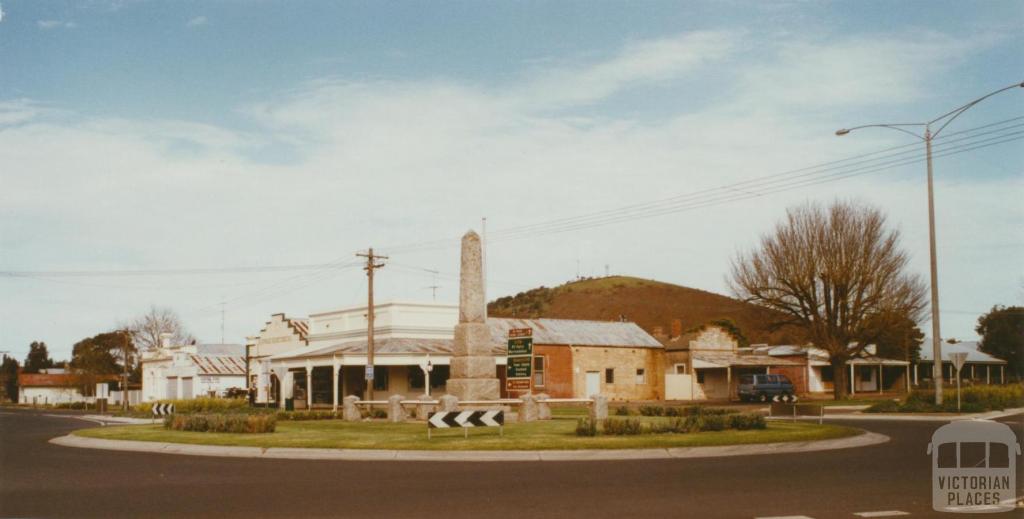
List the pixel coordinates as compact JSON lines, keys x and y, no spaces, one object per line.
{"x":38,"y":479}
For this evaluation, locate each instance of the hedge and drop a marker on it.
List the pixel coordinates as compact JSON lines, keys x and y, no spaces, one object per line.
{"x":222,"y":423}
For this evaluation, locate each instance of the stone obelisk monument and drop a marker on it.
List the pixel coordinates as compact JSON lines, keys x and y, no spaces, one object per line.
{"x":473,"y":375}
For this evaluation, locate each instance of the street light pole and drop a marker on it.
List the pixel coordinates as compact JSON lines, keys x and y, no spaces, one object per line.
{"x":927,"y":138}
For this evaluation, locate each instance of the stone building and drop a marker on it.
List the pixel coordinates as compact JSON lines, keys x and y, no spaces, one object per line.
{"x":706,"y":365}
{"x":413,"y":345}
{"x":193,"y":370}
{"x":280,"y":334}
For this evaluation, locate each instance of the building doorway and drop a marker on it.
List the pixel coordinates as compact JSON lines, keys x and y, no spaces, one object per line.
{"x":593,"y":383}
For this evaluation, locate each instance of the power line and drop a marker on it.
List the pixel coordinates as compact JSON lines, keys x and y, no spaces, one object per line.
{"x":830,"y":171}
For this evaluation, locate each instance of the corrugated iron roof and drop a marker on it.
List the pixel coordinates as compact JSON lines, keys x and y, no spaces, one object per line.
{"x":968,"y":347}
{"x":219,"y":364}
{"x":557,"y":332}
{"x":56,"y":379}
{"x":575,"y":332}
{"x":725,"y":358}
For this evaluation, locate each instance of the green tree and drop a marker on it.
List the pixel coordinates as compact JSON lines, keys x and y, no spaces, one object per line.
{"x":1002,"y":335}
{"x":9,"y":378}
{"x":38,"y":358}
{"x":99,"y":355}
{"x":900,"y":338}
{"x":838,"y":273}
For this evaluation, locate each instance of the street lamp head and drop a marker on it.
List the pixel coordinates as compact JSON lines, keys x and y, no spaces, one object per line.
{"x":842,"y":132}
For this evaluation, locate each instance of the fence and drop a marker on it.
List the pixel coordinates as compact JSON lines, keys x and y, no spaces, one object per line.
{"x":784,"y":410}
{"x":530,"y":408}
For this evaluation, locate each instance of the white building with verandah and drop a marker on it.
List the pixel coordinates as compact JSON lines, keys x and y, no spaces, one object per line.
{"x":979,"y":367}
{"x":190,"y":371}
{"x":412,"y":349}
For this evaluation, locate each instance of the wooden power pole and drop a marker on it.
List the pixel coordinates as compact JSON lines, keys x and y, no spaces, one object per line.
{"x":124,"y":385}
{"x":371,"y":265}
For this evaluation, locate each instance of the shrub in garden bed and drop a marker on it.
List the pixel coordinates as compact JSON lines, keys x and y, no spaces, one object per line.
{"x":975,"y":399}
{"x":713,"y":422}
{"x":622,"y":411}
{"x":699,"y":410}
{"x":746,"y":421}
{"x":305,"y":415}
{"x":619,"y":427}
{"x":224,"y":423}
{"x":72,"y":405}
{"x":586,"y":427}
{"x":652,"y":410}
{"x":199,"y":405}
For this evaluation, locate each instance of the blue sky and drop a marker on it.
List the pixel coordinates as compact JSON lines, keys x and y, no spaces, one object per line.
{"x":149,"y":135}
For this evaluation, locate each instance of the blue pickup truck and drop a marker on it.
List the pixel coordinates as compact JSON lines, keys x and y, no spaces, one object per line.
{"x":763,"y":388}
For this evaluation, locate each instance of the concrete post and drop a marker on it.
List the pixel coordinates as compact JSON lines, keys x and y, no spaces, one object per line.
{"x":424,"y":410}
{"x":350,"y":411}
{"x":449,"y":403}
{"x":309,"y":385}
{"x":599,"y":407}
{"x":334,"y":386}
{"x":853,"y":382}
{"x":543,"y":407}
{"x":396,"y":413}
{"x":528,"y":409}
{"x":988,"y":374}
{"x":880,"y":381}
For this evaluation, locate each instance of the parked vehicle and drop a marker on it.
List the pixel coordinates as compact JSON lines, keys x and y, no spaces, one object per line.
{"x":762,"y":388}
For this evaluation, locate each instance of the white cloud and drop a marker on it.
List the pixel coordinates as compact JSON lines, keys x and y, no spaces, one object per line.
{"x":196,"y":21}
{"x":636,"y":63}
{"x":55,"y":24}
{"x":387,"y":162}
{"x":824,"y":71}
{"x":2,"y":13}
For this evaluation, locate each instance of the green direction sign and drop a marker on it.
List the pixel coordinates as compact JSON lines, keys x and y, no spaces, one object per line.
{"x":517,"y":347}
{"x":520,"y":367}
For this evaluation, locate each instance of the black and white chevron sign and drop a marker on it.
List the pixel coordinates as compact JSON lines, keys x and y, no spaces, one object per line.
{"x":444,"y":419}
{"x":163,"y":409}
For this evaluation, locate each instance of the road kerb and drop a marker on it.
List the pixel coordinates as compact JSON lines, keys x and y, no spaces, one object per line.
{"x":860,"y":440}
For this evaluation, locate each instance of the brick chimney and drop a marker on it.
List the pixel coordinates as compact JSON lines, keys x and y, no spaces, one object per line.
{"x":677,"y":328}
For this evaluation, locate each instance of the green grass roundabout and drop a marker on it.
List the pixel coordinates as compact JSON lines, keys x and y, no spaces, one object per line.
{"x":556,"y":434}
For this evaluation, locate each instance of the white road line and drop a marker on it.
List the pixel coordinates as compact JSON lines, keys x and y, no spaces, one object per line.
{"x":884,"y":513}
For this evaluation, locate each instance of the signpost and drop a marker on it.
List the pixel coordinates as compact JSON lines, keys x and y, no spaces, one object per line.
{"x":519,"y":364}
{"x":466,"y":419}
{"x":958,"y":360}
{"x":162,"y":410}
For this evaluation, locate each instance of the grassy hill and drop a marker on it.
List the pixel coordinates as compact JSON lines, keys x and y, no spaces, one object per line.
{"x":646,"y":302}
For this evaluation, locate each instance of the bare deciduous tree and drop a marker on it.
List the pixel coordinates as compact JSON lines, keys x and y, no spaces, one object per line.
{"x":838,"y":273}
{"x":147,"y":328}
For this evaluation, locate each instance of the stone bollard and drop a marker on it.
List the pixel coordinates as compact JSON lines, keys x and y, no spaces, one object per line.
{"x":599,"y":408}
{"x":424,"y":410}
{"x":528,"y":409}
{"x":543,"y":407}
{"x":350,"y":411}
{"x":396,"y":413}
{"x":449,"y":403}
